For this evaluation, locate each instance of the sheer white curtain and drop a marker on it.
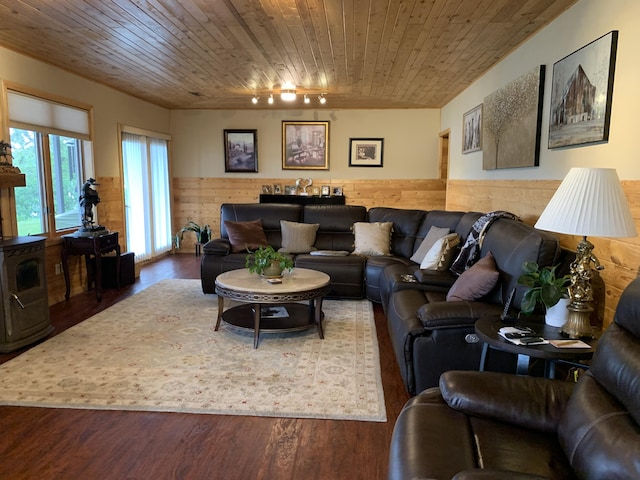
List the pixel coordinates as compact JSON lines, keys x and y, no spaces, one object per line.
{"x":146,"y":195}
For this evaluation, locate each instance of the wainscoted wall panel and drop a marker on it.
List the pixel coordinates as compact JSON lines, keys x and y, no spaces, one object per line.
{"x":527,"y":198}
{"x":199,"y":199}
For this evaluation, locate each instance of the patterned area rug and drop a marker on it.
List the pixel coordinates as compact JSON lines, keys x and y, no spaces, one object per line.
{"x":157,"y":351}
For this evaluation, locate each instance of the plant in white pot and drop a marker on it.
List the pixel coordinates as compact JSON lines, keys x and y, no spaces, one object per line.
{"x":546,"y":288}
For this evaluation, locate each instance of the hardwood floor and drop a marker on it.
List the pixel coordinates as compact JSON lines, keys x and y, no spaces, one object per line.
{"x":43,"y":443}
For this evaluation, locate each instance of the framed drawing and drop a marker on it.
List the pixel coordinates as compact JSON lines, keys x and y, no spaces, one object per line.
{"x":472,"y":130}
{"x":326,"y":191}
{"x":581,"y":93}
{"x":305,"y":145}
{"x":365,"y":152}
{"x":512,"y":123}
{"x":240,"y":150}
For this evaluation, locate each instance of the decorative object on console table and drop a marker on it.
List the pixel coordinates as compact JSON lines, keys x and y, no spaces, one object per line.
{"x":589,"y":201}
{"x":305,"y":145}
{"x":365,"y":152}
{"x":581,"y":94}
{"x":88,"y":200}
{"x":302,"y":184}
{"x":303,"y":200}
{"x":240,"y":150}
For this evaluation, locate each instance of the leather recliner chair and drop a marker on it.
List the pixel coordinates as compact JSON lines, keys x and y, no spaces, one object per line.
{"x":493,"y":425}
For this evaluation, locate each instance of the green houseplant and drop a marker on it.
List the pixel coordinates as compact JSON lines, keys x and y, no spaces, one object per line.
{"x":203,"y":233}
{"x":544,"y":286}
{"x":266,"y":261}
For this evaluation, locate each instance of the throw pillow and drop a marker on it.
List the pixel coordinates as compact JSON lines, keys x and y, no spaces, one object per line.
{"x":434,"y":234}
{"x":245,"y":236}
{"x":298,"y":237}
{"x":475,"y":282}
{"x":441,"y":254}
{"x":372,"y":239}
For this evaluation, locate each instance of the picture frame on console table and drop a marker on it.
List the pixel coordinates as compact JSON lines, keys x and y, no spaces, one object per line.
{"x":365,"y":152}
{"x":305,"y":145}
{"x":581,"y":94}
{"x":240,"y":150}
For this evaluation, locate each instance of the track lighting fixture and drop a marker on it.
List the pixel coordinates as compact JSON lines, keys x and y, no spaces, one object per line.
{"x":322,"y":99}
{"x":270,"y":99}
{"x":255,"y":99}
{"x":306,"y":98}
{"x":289,"y":95}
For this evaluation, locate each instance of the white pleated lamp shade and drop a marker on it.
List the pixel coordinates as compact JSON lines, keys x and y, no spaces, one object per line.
{"x":589,"y":202}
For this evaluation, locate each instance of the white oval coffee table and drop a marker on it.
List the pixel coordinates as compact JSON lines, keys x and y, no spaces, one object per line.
{"x":271,"y":307}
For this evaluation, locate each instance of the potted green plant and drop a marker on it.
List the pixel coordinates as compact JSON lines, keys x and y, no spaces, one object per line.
{"x":203,"y":233}
{"x":544,"y":287}
{"x":268,"y":262}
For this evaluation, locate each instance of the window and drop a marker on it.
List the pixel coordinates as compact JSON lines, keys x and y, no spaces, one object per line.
{"x":50,"y":143}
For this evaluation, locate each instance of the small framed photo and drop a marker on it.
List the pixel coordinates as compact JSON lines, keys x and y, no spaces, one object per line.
{"x":365,"y":152}
{"x":240,"y":150}
{"x":337,"y":191}
{"x":266,"y":189}
{"x":326,"y":190}
{"x":290,"y":190}
{"x":277,"y":189}
{"x":305,"y":145}
{"x":472,"y":130}
{"x":315,"y":191}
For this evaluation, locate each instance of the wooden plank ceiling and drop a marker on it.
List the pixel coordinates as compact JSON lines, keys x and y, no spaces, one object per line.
{"x":219,"y":53}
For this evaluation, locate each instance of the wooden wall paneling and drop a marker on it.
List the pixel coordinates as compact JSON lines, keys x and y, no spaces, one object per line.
{"x":528,"y":198}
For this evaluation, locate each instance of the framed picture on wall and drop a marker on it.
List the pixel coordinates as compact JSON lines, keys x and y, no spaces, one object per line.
{"x":365,"y":152}
{"x":240,"y":150}
{"x":581,"y":93}
{"x":472,"y":130}
{"x":305,"y":145}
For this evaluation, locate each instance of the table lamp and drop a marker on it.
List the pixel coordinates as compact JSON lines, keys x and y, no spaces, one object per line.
{"x":589,"y":202}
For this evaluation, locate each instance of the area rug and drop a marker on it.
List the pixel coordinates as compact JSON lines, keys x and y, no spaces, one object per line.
{"x":157,"y":351}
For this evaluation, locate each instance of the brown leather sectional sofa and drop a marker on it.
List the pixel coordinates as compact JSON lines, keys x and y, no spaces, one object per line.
{"x":429,"y":334}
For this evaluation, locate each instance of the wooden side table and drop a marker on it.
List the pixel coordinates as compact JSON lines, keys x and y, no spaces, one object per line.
{"x":88,"y":246}
{"x":487,"y":330}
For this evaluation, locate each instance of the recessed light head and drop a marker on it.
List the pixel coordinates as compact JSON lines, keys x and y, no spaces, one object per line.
{"x":270,"y":99}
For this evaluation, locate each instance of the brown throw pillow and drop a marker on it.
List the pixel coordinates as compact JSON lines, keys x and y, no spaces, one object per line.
{"x":245,"y":236}
{"x":475,"y":282}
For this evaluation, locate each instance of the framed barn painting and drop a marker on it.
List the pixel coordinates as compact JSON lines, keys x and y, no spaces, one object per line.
{"x":240,"y":150}
{"x":581,"y":94}
{"x":305,"y":145}
{"x":512,"y":123}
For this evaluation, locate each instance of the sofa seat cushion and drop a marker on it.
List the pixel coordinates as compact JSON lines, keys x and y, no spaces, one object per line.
{"x":245,"y":236}
{"x":346,"y":272}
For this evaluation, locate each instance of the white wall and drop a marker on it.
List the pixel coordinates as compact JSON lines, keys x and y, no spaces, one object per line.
{"x":410,"y":141}
{"x":110,"y":106}
{"x":580,"y":25}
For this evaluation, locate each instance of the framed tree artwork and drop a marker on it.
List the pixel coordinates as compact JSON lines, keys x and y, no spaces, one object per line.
{"x":305,"y":145}
{"x":512,"y":123}
{"x":240,"y":150}
{"x":581,"y":93}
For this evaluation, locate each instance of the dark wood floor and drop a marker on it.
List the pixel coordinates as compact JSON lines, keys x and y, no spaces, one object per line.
{"x":43,"y":443}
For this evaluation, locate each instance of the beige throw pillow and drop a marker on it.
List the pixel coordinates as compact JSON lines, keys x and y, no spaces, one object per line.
{"x":433,"y":235}
{"x":372,"y":239}
{"x":298,"y":237}
{"x":441,"y":254}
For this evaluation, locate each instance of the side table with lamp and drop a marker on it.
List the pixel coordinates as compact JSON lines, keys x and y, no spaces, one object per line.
{"x":589,"y":202}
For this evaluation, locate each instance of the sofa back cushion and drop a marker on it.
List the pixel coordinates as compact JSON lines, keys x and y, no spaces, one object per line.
{"x":406,"y":225}
{"x":512,"y":243}
{"x":335,"y":224}
{"x":269,"y":213}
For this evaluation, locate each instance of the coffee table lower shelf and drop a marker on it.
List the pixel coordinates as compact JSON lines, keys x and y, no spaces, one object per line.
{"x":300,"y":317}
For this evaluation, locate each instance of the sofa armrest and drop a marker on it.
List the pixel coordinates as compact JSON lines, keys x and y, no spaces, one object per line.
{"x":217,"y":246}
{"x":530,"y":402}
{"x":455,"y":314}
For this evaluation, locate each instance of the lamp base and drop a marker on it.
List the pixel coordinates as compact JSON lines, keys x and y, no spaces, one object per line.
{"x":578,"y":324}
